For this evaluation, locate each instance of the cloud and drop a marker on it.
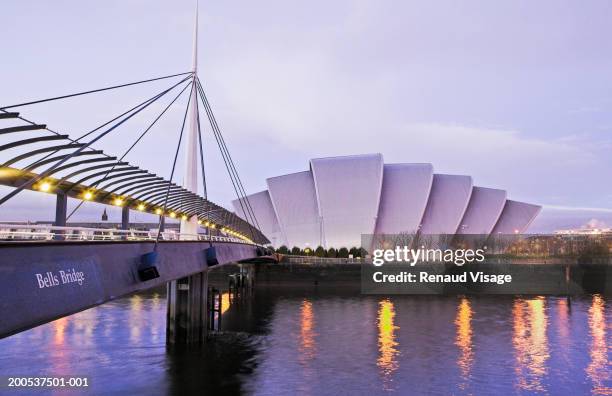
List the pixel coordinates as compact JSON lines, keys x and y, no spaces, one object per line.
{"x":578,"y":208}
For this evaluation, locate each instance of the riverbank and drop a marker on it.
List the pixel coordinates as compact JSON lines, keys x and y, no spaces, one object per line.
{"x":556,"y":278}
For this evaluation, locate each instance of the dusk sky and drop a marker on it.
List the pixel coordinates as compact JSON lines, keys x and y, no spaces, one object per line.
{"x":516,"y":94}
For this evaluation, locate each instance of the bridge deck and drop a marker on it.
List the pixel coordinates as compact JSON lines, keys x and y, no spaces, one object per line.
{"x":44,"y":280}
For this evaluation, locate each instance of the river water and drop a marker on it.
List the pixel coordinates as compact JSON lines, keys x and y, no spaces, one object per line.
{"x":314,"y":343}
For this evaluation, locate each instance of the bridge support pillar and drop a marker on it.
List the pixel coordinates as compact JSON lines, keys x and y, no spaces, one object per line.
{"x":186,"y":322}
{"x":61,"y":209}
{"x":125,"y":218}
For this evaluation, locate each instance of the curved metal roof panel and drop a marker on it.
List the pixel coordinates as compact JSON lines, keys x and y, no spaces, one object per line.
{"x":295,"y":203}
{"x":405,"y":190}
{"x":348,"y":195}
{"x":448,"y":200}
{"x":485,"y":207}
{"x":516,"y":217}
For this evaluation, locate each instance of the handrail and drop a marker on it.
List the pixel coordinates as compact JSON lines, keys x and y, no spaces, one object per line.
{"x":19,"y":232}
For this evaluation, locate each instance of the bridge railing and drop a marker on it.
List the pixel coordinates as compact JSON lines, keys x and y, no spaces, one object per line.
{"x":36,"y":232}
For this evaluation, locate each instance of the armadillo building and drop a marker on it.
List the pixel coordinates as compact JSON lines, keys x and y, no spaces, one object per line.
{"x":340,"y":198}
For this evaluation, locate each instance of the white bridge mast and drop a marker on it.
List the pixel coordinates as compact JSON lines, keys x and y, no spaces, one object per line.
{"x":190,"y":179}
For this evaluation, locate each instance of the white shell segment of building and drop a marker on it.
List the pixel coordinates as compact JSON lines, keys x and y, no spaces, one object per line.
{"x":404,"y":186}
{"x":483,"y":211}
{"x":295,"y":204}
{"x":448,"y":199}
{"x":348,"y":195}
{"x":516,"y":217}
{"x":340,"y":198}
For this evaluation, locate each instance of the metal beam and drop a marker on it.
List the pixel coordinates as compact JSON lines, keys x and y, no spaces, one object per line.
{"x":21,"y":128}
{"x":9,"y":115}
{"x":73,"y":164}
{"x":158,"y":197}
{"x":149,"y":194}
{"x":186,"y":203}
{"x":61,"y":157}
{"x":173,"y":197}
{"x":137,"y":188}
{"x":24,"y":142}
{"x":185,"y":206}
{"x":43,"y":150}
{"x":138,"y":180}
{"x":91,"y":168}
{"x":79,"y":182}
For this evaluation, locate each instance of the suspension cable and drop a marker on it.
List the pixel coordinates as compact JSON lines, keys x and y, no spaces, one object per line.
{"x":231,"y":162}
{"x":95,"y":129}
{"x":44,"y":174}
{"x":130,"y":149}
{"x":240,"y":194}
{"x":92,"y":91}
{"x":201,"y":149}
{"x":233,"y":166}
{"x":229,"y":169}
{"x":178,"y":147}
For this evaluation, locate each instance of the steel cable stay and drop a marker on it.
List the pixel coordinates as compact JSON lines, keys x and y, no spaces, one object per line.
{"x":140,"y":137}
{"x":200,"y":144}
{"x":234,"y":177}
{"x":178,"y":147}
{"x":44,"y":174}
{"x":93,"y":91}
{"x":44,"y":158}
{"x":224,"y":154}
{"x":228,"y":155}
{"x":201,"y":151}
{"x":79,"y":152}
{"x":36,"y":163}
{"x":232,"y":180}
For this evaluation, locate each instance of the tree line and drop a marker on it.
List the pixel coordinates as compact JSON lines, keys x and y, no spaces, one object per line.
{"x":320,"y":251}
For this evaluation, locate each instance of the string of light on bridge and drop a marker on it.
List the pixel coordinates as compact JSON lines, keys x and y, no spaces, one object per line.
{"x":47,"y":187}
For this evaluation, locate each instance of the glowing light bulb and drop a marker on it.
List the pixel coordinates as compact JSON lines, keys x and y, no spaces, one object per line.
{"x":118,"y":201}
{"x":172,"y":214}
{"x":158,"y":211}
{"x":200,"y":222}
{"x":184,"y":217}
{"x":141,"y":207}
{"x":88,"y":195}
{"x":44,"y":187}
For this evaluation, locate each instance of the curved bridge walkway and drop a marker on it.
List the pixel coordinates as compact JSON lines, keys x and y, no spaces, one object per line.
{"x":44,"y":278}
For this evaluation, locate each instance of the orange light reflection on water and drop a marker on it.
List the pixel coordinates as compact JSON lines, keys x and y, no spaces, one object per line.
{"x":599,"y":368}
{"x":135,"y":318}
{"x":530,"y":343}
{"x":387,"y":345}
{"x":563,"y":321}
{"x":59,"y":327}
{"x":463,"y":321}
{"x":307,"y":334}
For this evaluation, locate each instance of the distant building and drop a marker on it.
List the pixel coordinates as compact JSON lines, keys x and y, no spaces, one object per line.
{"x":340,"y":198}
{"x":584,"y":231}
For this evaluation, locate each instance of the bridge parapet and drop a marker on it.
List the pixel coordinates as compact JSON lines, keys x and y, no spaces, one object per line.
{"x":36,"y":232}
